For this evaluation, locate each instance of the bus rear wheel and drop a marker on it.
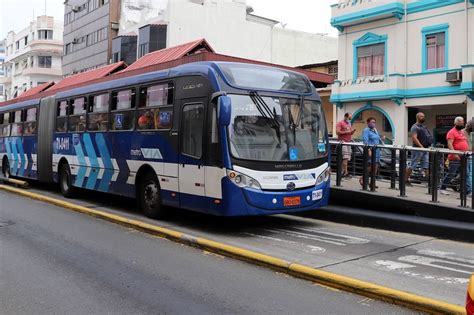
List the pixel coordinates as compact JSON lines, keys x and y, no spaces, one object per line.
{"x":150,"y":197}
{"x":6,"y":168}
{"x":65,"y":181}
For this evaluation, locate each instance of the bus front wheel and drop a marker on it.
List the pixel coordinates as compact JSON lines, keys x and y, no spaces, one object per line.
{"x":150,"y":197}
{"x":65,"y":181}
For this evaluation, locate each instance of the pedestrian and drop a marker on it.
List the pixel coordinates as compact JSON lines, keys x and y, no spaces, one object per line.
{"x":421,"y":138}
{"x":344,"y":133}
{"x":371,"y":137}
{"x":456,"y":141}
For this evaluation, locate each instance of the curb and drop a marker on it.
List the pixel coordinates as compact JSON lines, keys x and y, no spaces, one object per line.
{"x":297,"y":270}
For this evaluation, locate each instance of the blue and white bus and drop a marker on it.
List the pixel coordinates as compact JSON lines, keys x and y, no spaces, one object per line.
{"x":228,"y":139}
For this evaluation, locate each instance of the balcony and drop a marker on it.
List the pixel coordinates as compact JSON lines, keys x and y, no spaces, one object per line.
{"x":368,"y":88}
{"x":5,"y":80}
{"x":352,"y":12}
{"x":43,"y":71}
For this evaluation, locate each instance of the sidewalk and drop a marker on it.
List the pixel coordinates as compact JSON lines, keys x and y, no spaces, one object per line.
{"x":418,"y":192}
{"x":385,"y":209}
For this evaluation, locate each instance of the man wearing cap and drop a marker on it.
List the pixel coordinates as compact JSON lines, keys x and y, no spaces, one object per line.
{"x":456,"y":141}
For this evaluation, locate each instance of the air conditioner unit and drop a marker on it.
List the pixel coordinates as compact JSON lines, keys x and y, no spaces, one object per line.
{"x":454,"y":76}
{"x":74,"y":41}
{"x":76,"y":8}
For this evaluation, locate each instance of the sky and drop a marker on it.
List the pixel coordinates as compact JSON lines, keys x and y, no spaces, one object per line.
{"x":305,"y":15}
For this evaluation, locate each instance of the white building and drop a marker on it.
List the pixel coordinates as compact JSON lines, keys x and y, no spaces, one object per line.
{"x":33,"y":56}
{"x":2,"y":70}
{"x":230,"y":28}
{"x":398,"y":57}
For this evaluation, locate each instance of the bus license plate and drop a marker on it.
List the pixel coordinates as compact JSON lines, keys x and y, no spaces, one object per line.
{"x":291,"y":201}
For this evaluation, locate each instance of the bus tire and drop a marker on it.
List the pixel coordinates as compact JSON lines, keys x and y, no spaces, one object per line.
{"x":150,"y":196}
{"x":65,"y":181}
{"x":6,"y":168}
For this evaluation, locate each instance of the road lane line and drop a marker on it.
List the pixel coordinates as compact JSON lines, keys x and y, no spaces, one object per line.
{"x":300,"y":271}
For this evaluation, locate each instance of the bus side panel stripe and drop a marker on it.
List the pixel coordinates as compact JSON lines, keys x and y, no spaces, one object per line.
{"x":82,"y":165}
{"x":15,"y":157}
{"x":9,"y":152}
{"x":22,"y":157}
{"x":92,"y":179}
{"x":109,"y":168}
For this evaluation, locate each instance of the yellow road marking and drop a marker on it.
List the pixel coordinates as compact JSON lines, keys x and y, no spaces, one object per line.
{"x":325,"y":278}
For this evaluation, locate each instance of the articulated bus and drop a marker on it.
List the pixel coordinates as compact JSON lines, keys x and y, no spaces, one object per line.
{"x":223,"y":138}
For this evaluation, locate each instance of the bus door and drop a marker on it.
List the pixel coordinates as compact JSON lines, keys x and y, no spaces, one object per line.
{"x":191,"y":157}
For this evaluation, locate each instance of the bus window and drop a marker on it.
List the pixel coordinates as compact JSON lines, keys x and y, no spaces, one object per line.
{"x":17,"y":125}
{"x":156,"y":95}
{"x":61,"y":117}
{"x":214,"y":147}
{"x":122,"y":110}
{"x":155,"y":112}
{"x":4,"y":126}
{"x":77,"y":119}
{"x":192,"y":126}
{"x":98,"y":115}
{"x":30,"y":122}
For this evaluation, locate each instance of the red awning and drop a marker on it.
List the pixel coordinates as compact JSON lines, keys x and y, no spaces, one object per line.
{"x":171,"y":53}
{"x":88,"y":76}
{"x":36,"y":89}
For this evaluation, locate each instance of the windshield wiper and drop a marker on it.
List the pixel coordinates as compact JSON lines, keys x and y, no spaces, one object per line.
{"x":266,"y":112}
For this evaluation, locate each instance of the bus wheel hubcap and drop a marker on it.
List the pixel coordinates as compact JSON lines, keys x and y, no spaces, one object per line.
{"x":151,"y":194}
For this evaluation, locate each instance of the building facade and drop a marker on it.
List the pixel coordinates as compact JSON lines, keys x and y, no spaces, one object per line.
{"x":330,"y":112}
{"x":2,"y":71}
{"x":229,"y":26}
{"x":89,"y":26}
{"x":33,"y":56}
{"x":400,"y":57}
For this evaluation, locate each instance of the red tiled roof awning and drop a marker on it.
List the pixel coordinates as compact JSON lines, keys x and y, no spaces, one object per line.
{"x":171,"y":53}
{"x":88,"y":75}
{"x":36,"y":89}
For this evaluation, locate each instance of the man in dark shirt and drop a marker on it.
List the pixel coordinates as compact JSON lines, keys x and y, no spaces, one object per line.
{"x":421,"y":138}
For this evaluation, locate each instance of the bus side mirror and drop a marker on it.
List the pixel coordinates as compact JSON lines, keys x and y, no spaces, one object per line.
{"x":223,"y":110}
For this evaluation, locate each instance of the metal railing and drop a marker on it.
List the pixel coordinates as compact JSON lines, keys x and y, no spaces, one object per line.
{"x":393,"y":164}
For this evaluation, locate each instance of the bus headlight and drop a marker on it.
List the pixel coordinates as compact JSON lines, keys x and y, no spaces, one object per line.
{"x":242,"y":180}
{"x":324,"y":177}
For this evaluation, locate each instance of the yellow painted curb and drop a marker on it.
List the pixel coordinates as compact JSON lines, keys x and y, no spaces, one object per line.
{"x":17,"y":182}
{"x":300,"y":271}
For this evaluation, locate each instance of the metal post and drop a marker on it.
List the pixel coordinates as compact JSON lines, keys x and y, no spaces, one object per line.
{"x":393,"y":169}
{"x":402,"y":172}
{"x":472,"y":179}
{"x":430,"y":173}
{"x":435,"y":176}
{"x":463,"y":186}
{"x":373,"y":168}
{"x":339,"y":164}
{"x":365,"y":168}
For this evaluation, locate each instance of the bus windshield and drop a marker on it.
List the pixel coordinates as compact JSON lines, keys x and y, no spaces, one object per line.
{"x":276,"y":129}
{"x":265,"y":78}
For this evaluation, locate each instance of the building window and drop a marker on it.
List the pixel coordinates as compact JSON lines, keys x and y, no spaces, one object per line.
{"x":68,"y":49}
{"x":44,"y":61}
{"x":371,"y":60}
{"x":45,"y":34}
{"x":435,"y":51}
{"x":26,"y":40}
{"x":143,"y":50}
{"x":435,"y":47}
{"x":17,"y":45}
{"x":115,"y":57}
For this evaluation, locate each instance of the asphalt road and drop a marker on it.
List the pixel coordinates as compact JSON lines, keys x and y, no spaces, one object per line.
{"x":422,"y":265}
{"x":55,"y":261}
